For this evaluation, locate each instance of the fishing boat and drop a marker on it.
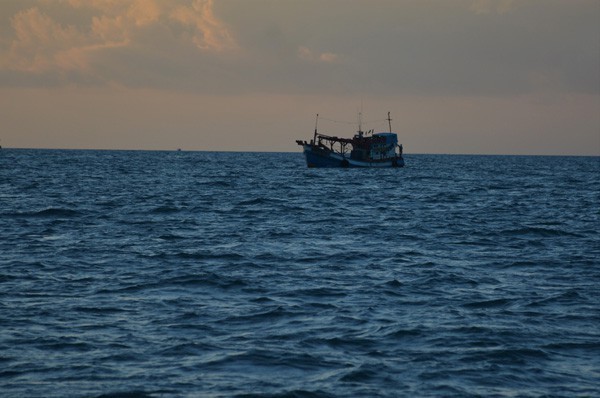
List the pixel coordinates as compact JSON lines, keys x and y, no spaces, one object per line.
{"x":364,"y":149}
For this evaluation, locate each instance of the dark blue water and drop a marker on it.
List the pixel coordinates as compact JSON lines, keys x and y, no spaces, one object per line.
{"x":185,"y":274}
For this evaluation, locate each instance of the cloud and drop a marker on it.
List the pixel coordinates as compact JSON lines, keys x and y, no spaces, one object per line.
{"x":43,"y":44}
{"x":307,"y":54}
{"x":210,"y":32}
{"x":385,"y":47}
{"x":39,"y":42}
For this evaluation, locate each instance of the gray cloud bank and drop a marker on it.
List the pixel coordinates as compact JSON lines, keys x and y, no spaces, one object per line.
{"x":383,"y":47}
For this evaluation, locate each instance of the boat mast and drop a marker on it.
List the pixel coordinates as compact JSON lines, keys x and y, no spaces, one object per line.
{"x":389,"y":119}
{"x":316,"y":126}
{"x":360,"y":132}
{"x":360,"y":122}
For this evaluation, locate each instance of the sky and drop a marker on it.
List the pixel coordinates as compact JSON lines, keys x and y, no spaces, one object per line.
{"x":458,"y":76}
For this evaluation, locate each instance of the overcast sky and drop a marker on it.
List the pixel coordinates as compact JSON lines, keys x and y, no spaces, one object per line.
{"x":458,"y":76}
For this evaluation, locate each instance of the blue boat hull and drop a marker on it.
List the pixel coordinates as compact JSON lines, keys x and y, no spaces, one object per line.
{"x":322,"y":158}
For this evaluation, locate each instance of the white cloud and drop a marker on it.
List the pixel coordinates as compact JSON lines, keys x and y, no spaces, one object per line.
{"x":307,"y":54}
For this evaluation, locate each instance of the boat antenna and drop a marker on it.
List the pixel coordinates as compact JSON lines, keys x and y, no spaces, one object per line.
{"x":360,"y":122}
{"x":389,"y":119}
{"x":360,"y":115}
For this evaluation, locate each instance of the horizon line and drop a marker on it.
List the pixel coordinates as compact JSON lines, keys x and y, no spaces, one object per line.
{"x":291,"y":152}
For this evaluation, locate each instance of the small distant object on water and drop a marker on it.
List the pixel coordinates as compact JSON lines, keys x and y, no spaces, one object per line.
{"x":178,"y":149}
{"x":365,"y":149}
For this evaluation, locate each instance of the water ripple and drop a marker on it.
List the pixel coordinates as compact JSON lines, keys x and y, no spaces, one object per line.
{"x":163,"y":274}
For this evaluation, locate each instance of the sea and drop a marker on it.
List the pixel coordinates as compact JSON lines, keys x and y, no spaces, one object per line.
{"x":142,"y":274}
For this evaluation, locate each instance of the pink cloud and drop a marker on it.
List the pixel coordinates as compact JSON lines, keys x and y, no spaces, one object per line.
{"x":42,"y":44}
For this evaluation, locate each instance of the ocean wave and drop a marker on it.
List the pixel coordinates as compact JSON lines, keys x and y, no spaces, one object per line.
{"x":99,"y":310}
{"x":538,"y":232}
{"x":293,"y":393}
{"x":260,"y":201}
{"x":189,"y":281}
{"x":195,"y":255}
{"x":511,"y":356}
{"x":171,"y":237}
{"x":51,"y":212}
{"x":220,"y":274}
{"x":366,"y":373}
{"x":405,"y":333}
{"x":268,"y":315}
{"x":319,"y":292}
{"x":569,"y":296}
{"x":128,"y":394}
{"x":587,"y":346}
{"x":489,"y":303}
{"x":165,"y":210}
{"x":188,"y":349}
